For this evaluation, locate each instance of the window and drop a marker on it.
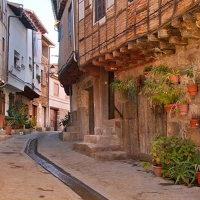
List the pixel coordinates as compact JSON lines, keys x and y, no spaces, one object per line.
{"x":99,"y":9}
{"x":16,"y":60}
{"x":56,"y":89}
{"x":70,"y":21}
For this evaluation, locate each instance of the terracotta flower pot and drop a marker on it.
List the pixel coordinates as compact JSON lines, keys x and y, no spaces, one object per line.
{"x":192,"y":89}
{"x":157,"y":170}
{"x":174,"y":79}
{"x":194,"y":123}
{"x":169,"y":108}
{"x":183,"y":109}
{"x":7,"y":129}
{"x":198,"y":177}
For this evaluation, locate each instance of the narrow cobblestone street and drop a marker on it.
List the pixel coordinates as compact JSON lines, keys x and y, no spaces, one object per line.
{"x":22,"y":178}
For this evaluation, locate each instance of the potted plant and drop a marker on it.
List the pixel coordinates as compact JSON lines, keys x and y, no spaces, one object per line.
{"x":157,"y":154}
{"x":174,"y":76}
{"x":192,"y":73}
{"x":8,"y":123}
{"x":182,"y":107}
{"x":65,"y":122}
{"x":127,"y":85}
{"x":195,"y":120}
{"x":167,"y":95}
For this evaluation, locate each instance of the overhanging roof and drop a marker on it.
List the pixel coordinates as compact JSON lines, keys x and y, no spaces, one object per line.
{"x":36,"y":21}
{"x":26,"y":21}
{"x":70,"y":72}
{"x":29,"y":93}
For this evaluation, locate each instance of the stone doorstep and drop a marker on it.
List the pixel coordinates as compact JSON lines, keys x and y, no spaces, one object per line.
{"x":102,"y":139}
{"x":110,"y":155}
{"x":103,"y":130}
{"x":90,"y":148}
{"x":97,"y":139}
{"x":68,"y":136}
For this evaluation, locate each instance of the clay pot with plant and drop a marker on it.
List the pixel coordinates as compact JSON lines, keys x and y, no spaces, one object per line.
{"x":182,"y":107}
{"x":146,"y":70}
{"x":157,"y":153}
{"x":174,"y":76}
{"x":192,"y":74}
{"x":195,"y":120}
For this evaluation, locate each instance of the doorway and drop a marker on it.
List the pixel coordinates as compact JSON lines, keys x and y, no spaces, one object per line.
{"x":91,"y":110}
{"x":53,"y":119}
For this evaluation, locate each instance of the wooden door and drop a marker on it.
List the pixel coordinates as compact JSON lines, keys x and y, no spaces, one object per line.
{"x":151,"y":121}
{"x":53,"y":119}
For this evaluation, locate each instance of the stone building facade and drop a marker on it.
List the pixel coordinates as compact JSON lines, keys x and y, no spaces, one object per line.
{"x":118,"y":42}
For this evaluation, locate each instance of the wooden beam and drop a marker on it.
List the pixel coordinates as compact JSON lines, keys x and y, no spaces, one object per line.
{"x":165,"y":45}
{"x":152,"y":37}
{"x":109,"y":56}
{"x":124,"y":50}
{"x":117,"y":54}
{"x":96,"y":62}
{"x":163,"y":34}
{"x":102,"y":59}
{"x":177,"y":41}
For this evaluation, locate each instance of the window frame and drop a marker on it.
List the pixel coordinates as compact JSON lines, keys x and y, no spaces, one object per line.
{"x":100,"y":9}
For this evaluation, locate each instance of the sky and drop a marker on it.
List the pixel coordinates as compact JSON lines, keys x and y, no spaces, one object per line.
{"x":43,"y":10}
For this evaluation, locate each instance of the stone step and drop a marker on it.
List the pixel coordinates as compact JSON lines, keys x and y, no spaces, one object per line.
{"x":97,"y":139}
{"x":72,"y":129}
{"x":104,"y":130}
{"x":102,"y":139}
{"x":110,"y":155}
{"x":68,"y":136}
{"x":89,"y":148}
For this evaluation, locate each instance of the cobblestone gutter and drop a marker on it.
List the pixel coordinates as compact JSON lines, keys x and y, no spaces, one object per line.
{"x":77,"y":186}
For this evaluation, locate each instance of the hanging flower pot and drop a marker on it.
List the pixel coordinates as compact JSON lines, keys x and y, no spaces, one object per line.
{"x":169,"y":108}
{"x":183,"y":109}
{"x":194,"y":123}
{"x":192,"y":89}
{"x":174,"y":79}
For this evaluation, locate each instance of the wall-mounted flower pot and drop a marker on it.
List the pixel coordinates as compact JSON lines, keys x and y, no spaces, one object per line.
{"x":169,"y":108}
{"x":192,"y":89}
{"x":194,"y":123}
{"x":174,"y":79}
{"x":183,"y":109}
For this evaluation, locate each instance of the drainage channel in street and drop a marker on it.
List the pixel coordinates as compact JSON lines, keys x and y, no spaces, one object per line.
{"x":77,"y":186}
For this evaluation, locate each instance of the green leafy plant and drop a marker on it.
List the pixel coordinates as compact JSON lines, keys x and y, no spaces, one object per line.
{"x":127,"y":84}
{"x":19,"y":115}
{"x":148,"y":68}
{"x":192,"y":72}
{"x":145,"y":165}
{"x":158,"y":150}
{"x":38,"y":78}
{"x":66,"y":121}
{"x":182,"y":172}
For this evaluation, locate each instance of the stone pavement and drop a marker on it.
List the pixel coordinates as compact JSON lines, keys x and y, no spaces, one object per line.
{"x":23,"y":179}
{"x":115,"y":180}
